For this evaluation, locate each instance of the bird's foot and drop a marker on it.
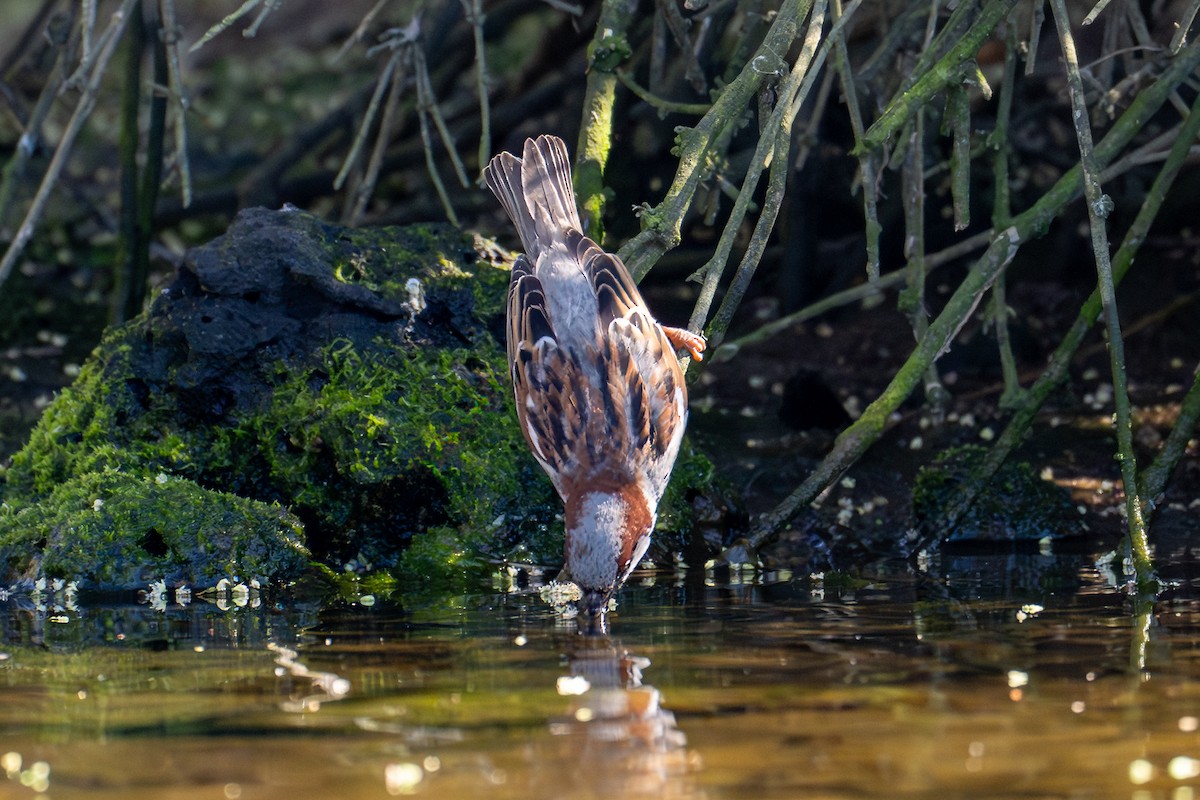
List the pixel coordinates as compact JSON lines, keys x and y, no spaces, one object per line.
{"x":694,"y":343}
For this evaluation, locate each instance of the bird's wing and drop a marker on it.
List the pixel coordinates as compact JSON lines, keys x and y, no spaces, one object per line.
{"x":645,"y":383}
{"x":550,"y":408}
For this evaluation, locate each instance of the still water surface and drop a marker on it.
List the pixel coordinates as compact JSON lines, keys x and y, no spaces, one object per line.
{"x":981,"y":685}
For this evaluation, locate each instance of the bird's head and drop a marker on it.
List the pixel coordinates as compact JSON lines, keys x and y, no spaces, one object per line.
{"x":608,"y":532}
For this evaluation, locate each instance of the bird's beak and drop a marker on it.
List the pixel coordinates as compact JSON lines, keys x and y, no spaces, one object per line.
{"x":593,"y":612}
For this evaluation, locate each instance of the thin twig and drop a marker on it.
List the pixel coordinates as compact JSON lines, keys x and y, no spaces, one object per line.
{"x":360,"y":32}
{"x":1099,"y":207}
{"x":1185,"y":24}
{"x":936,"y":78}
{"x":1155,"y":476}
{"x":473,"y":10}
{"x":663,"y":106}
{"x":241,"y":11}
{"x":360,"y":139}
{"x":950,"y":255}
{"x":427,"y":103}
{"x":780,"y":165}
{"x":998,"y":141}
{"x":1056,"y":369}
{"x":1036,"y":22}
{"x":792,"y":91}
{"x":14,"y":171}
{"x":366,"y":184}
{"x":867,"y":162}
{"x":678,"y":26}
{"x":1095,"y":12}
{"x":180,"y":105}
{"x":87,"y":102}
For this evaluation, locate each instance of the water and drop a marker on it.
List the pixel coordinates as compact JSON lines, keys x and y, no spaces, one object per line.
{"x":901,"y":687}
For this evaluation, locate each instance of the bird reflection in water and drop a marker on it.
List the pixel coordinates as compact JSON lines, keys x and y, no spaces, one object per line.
{"x":625,"y":743}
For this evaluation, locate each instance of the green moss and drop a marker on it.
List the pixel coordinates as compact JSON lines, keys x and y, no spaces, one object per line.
{"x":112,"y":529}
{"x":1016,"y":505}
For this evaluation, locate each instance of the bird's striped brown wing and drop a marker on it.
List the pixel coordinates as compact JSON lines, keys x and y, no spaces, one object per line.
{"x":548,"y":401}
{"x":645,"y":388}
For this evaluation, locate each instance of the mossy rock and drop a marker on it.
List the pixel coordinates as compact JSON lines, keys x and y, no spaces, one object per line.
{"x":354,"y":378}
{"x":111,"y":529}
{"x":1015,"y":505}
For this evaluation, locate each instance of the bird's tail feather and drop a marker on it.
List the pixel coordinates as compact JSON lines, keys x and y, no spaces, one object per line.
{"x":536,"y":192}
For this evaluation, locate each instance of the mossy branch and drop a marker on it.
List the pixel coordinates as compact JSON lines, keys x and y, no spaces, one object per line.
{"x":1089,"y":312}
{"x":608,"y":50}
{"x":792,"y":95}
{"x":771,"y":151}
{"x":944,"y":73}
{"x":860,"y":435}
{"x":661,"y":225}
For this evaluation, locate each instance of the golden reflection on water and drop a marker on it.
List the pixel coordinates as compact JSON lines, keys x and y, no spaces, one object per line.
{"x":892,"y":689}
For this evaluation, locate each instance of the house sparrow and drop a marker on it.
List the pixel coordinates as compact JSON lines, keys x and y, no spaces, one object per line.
{"x":599,"y":390}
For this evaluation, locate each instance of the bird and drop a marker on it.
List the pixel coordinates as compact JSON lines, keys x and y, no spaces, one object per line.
{"x":599,"y":388}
